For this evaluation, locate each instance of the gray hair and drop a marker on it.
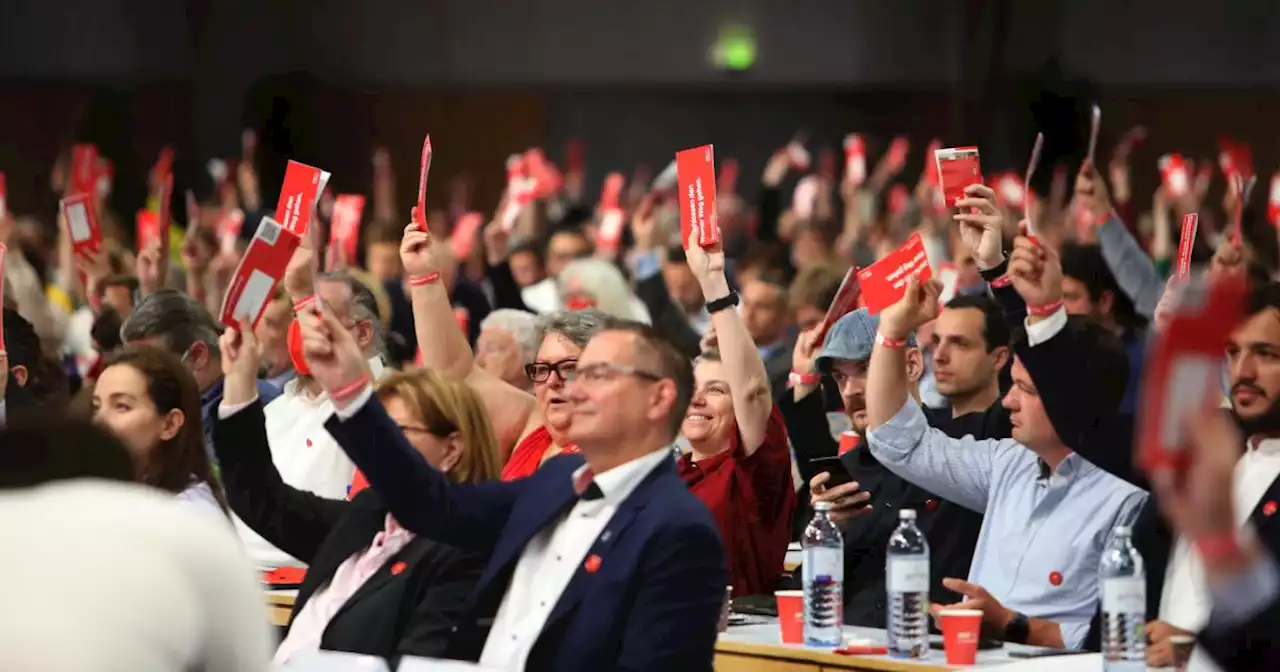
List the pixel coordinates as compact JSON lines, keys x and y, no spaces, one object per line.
{"x":521,"y":325}
{"x":604,"y":282}
{"x":579,"y":326}
{"x":364,"y":306}
{"x":177,"y":319}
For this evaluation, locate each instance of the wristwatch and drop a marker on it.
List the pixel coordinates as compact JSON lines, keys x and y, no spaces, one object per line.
{"x":728,"y":301}
{"x":1019,"y":629}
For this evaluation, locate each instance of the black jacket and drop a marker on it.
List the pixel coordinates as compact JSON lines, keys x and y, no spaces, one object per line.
{"x":408,"y":607}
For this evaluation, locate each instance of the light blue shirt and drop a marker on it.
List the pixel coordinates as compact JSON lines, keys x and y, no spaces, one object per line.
{"x":1041,"y":538}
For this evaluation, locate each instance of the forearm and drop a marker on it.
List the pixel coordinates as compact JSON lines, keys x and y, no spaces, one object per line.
{"x":747,"y":378}
{"x":1044,"y":633}
{"x":443,"y":345}
{"x":1131,"y":266}
{"x":886,"y":382}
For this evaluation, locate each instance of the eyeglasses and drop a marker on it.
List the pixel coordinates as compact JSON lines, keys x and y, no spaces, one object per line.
{"x":540,"y":372}
{"x":606,"y":371}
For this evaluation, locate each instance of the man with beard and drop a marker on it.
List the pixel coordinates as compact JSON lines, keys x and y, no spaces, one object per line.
{"x":866,"y":524}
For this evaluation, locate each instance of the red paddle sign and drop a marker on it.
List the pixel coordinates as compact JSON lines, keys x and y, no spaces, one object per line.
{"x":696,"y":177}
{"x":420,"y":212}
{"x":260,"y":269}
{"x":958,"y":167}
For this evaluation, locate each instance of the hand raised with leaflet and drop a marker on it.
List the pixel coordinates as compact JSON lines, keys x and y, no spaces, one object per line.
{"x":1036,"y":272}
{"x":332,"y":354}
{"x":918,"y":306}
{"x":981,"y":225}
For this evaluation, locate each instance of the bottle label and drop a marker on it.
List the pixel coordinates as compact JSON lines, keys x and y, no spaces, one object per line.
{"x":824,"y":563}
{"x":908,"y":575}
{"x":1126,"y":595}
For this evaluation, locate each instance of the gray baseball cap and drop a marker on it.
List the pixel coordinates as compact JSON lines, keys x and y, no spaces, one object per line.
{"x":851,"y":338}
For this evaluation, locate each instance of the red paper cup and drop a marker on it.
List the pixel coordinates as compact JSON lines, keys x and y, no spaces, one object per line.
{"x":848,"y":441}
{"x":960,"y":628}
{"x":791,"y":615}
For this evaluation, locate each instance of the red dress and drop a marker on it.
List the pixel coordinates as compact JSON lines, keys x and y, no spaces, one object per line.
{"x":752,"y":499}
{"x":527,"y":456}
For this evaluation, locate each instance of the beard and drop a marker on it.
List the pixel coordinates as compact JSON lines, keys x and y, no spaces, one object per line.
{"x":1266,"y":424}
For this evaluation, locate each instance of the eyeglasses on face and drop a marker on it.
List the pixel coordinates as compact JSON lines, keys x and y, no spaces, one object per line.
{"x":540,"y":372}
{"x":606,"y":371}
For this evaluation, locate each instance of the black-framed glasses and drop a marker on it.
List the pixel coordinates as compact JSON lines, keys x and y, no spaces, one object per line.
{"x":540,"y":372}
{"x":606,"y":371}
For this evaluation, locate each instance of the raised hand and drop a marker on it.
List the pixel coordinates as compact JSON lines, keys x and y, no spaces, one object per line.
{"x":644,"y":225}
{"x":417,"y":253}
{"x":707,"y":265}
{"x":981,"y":225}
{"x":917,"y":306}
{"x":299,"y":275}
{"x":1091,"y":193}
{"x":148,"y":268}
{"x":1036,"y":272}
{"x":239,"y":348}
{"x":331,"y":353}
{"x":806,"y":350}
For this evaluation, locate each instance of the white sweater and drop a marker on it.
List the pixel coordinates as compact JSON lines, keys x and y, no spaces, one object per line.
{"x":105,"y":577}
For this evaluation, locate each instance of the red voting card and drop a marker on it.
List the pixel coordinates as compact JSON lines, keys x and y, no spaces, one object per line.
{"x":885,"y":282}
{"x":1235,"y":159}
{"x":3,"y":249}
{"x":612,"y":218}
{"x":1174,"y":175}
{"x":547,"y":179}
{"x":855,"y":159}
{"x":1009,"y":190}
{"x":84,"y":169}
{"x":696,"y":179}
{"x":420,"y":213}
{"x":344,"y":226}
{"x":464,"y":234}
{"x":298,"y":197}
{"x":728,"y":181}
{"x":1032,"y":163}
{"x":1241,"y":185}
{"x":164,"y":217}
{"x":260,"y":269}
{"x":1273,"y":200}
{"x":82,"y":222}
{"x":1095,"y":125}
{"x":958,"y":168}
{"x":1186,"y":241}
{"x":1183,"y":369}
{"x":930,"y":172}
{"x":148,"y":229}
{"x":845,"y":302}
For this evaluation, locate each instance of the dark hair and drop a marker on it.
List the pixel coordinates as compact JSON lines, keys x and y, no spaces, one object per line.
{"x":1085,"y":264}
{"x":574,"y":231}
{"x":675,"y":254}
{"x":383,"y":231}
{"x":127,"y":281}
{"x":815,"y":286}
{"x":528,"y":247}
{"x":177,"y":318}
{"x":1262,"y":296}
{"x":44,"y":447}
{"x":46,"y":381}
{"x":182,"y":461}
{"x":1107,"y":361}
{"x":667,"y":362}
{"x":106,"y":330}
{"x":995,"y":331}
{"x":761,"y":256}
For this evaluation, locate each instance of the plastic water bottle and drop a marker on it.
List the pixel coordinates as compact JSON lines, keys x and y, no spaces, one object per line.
{"x":1124,"y":605}
{"x":823,"y":579}
{"x":907,"y":582}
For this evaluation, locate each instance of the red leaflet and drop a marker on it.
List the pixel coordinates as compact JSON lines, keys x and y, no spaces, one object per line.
{"x":958,"y":168}
{"x":696,"y":179}
{"x":260,"y":269}
{"x":884,"y":283}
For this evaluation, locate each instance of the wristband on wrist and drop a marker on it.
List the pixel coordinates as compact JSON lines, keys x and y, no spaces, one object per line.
{"x":1045,"y":310}
{"x":305,"y":305}
{"x":890,"y":343}
{"x":1002,"y":281}
{"x":802,"y":378}
{"x":424,"y":279}
{"x":1218,"y":546}
{"x":348,"y":391}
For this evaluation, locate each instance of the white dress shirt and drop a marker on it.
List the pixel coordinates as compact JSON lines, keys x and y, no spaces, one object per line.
{"x":304,"y":454}
{"x":119,"y":577}
{"x":551,"y":559}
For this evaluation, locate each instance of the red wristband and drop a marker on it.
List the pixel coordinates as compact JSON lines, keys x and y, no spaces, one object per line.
{"x":1044,"y":310}
{"x":425,"y":279}
{"x":1218,"y":546}
{"x":304,"y":305}
{"x":1002,"y":281}
{"x":891,"y":343}
{"x":348,"y":391}
{"x":802,"y":378}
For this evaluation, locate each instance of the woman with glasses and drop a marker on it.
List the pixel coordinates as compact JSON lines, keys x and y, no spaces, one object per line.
{"x":739,"y":463}
{"x":372,"y":587}
{"x":531,"y":428}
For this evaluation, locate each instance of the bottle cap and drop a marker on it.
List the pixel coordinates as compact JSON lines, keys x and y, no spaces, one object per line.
{"x":1123,"y":531}
{"x":822,"y":506}
{"x":907,"y":514}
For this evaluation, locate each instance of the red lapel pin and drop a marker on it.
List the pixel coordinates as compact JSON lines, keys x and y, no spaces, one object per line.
{"x":1269,"y":508}
{"x":1055,"y":578}
{"x":592,"y":565}
{"x":398,"y":567}
{"x":308,"y":443}
{"x":931,"y":505}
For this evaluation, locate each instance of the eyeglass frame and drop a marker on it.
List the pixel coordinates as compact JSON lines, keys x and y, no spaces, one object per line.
{"x":616,"y":369}
{"x":551,"y":367}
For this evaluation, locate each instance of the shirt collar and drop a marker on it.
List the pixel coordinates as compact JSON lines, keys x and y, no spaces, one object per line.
{"x":1265,"y":447}
{"x":619,"y":482}
{"x":213,"y":394}
{"x":1067,"y":468}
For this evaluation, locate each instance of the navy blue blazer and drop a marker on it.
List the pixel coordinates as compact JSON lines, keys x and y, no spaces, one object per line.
{"x":653,"y":602}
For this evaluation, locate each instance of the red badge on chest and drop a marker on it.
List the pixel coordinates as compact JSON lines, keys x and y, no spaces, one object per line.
{"x":592,"y":564}
{"x":1055,"y":578}
{"x":397,"y":568}
{"x":1269,"y":508}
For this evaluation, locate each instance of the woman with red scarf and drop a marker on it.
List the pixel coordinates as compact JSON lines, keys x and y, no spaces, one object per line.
{"x":739,"y":463}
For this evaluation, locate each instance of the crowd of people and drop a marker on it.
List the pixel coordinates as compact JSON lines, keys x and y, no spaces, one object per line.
{"x":542,"y":445}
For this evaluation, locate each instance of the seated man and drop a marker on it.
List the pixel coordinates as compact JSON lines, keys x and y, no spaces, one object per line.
{"x":1048,"y":513}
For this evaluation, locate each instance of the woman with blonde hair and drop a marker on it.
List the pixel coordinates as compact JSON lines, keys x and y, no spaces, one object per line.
{"x":372,"y":587}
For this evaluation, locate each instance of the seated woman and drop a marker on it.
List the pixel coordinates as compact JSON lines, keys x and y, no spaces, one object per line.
{"x":149,"y":399}
{"x":534,"y":424}
{"x":739,"y":463}
{"x":373,"y":587}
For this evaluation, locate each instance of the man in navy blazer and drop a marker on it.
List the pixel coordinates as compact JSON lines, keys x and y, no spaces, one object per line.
{"x":599,"y":561}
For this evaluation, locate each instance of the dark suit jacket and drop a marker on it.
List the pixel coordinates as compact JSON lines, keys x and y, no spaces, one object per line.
{"x":408,"y":610}
{"x":654,"y":601}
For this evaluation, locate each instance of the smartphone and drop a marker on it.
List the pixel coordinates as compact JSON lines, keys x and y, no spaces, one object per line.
{"x":1045,"y":653}
{"x":834,"y":468}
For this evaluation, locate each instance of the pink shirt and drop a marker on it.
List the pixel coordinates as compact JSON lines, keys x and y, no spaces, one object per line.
{"x":310,"y":624}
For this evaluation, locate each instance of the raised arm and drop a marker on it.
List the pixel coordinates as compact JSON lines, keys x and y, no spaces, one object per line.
{"x":748,"y":380}
{"x":444,"y":347}
{"x":1128,"y":262}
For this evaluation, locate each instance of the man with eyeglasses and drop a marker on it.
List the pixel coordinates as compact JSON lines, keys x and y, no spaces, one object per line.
{"x":599,"y":560}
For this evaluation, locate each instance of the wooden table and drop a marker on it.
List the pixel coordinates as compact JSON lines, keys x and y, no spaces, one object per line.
{"x":279,"y":605}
